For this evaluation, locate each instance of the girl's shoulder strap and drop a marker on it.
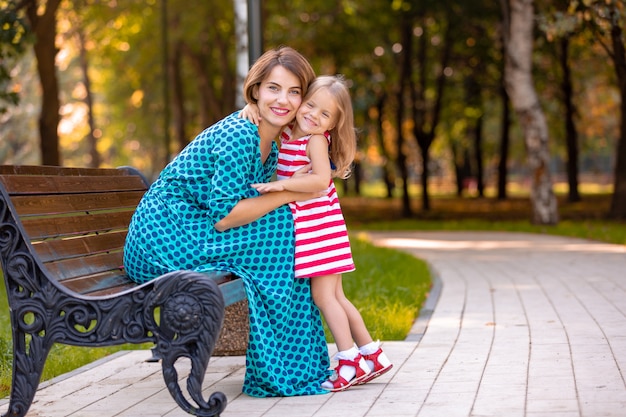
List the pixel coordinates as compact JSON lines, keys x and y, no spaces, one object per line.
{"x":285,"y":134}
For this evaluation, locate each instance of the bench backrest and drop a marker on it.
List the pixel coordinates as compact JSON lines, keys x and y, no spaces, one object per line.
{"x":77,"y":220}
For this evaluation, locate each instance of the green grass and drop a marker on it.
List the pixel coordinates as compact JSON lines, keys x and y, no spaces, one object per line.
{"x":586,"y":219}
{"x":599,"y":230}
{"x":388,"y":288}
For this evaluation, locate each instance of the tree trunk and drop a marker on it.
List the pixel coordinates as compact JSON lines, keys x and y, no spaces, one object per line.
{"x":571,"y":135}
{"x":618,"y":202}
{"x":458,"y":169}
{"x":388,"y":176}
{"x":519,"y":84}
{"x":505,"y":137}
{"x":241,"y":43}
{"x":209,"y":105}
{"x":405,"y":73}
{"x":474,"y":99}
{"x":357,"y":175}
{"x":505,"y":140}
{"x":44,"y":27}
{"x":179,"y":115}
{"x":94,"y":161}
{"x":425,"y":133}
{"x":478,"y":156}
{"x":165,"y":24}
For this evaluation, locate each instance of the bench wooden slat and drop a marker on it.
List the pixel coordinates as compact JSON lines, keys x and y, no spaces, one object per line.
{"x":111,"y":290}
{"x":54,"y":227}
{"x":42,"y":184}
{"x":46,"y":205}
{"x":61,"y":249}
{"x":111,"y":282}
{"x":103,"y":283}
{"x":86,"y":265}
{"x":59,"y":171}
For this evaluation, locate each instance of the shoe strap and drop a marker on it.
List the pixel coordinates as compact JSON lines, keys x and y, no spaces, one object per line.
{"x":354,"y":362}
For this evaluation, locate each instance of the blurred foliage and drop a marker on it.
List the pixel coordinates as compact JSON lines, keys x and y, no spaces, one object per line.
{"x":14,"y":41}
{"x":123,"y":43}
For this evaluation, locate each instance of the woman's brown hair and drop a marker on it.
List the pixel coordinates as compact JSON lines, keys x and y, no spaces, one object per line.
{"x":284,"y":56}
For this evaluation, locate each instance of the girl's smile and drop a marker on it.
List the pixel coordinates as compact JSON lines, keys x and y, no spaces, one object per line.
{"x":317,"y":114}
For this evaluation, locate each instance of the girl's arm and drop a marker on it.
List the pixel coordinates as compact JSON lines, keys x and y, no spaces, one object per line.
{"x":248,"y":210}
{"x":316,"y":180}
{"x":251,"y":113}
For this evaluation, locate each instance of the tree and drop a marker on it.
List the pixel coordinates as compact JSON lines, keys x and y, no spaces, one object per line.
{"x":42,"y":20}
{"x":606,"y":19}
{"x":505,"y":135}
{"x":79,"y":35}
{"x":560,"y":29}
{"x":426,"y":118}
{"x":518,"y":18}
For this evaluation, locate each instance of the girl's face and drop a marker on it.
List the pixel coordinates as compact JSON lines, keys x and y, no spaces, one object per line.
{"x":278,"y":97}
{"x":318,"y":113}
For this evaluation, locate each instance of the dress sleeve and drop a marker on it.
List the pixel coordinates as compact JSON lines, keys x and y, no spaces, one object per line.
{"x":214,"y":172}
{"x":234,"y":157}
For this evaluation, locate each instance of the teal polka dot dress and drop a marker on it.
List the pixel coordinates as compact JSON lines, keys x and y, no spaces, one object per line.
{"x":172,"y":229}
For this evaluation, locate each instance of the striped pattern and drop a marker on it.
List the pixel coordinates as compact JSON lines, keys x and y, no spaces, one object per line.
{"x":322,"y":244}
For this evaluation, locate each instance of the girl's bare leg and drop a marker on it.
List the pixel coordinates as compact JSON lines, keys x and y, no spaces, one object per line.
{"x":352,"y":368}
{"x":358,"y":329}
{"x":324,"y":295}
{"x":375,"y":358}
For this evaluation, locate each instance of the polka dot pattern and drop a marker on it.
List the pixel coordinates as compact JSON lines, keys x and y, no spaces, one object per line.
{"x":172,"y":229}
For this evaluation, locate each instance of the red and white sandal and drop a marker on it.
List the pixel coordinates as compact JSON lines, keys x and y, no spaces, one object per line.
{"x":339,"y":383}
{"x":379,"y":365}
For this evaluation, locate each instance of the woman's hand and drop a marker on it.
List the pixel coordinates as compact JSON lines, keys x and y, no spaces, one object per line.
{"x":309,"y":196}
{"x":251,"y":113}
{"x":305,"y":170}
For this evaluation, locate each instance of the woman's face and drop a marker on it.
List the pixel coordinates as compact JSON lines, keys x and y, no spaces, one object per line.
{"x":278,"y":97}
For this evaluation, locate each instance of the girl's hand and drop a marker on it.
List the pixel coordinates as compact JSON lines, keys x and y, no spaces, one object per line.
{"x":251,"y":113}
{"x":269,"y":187}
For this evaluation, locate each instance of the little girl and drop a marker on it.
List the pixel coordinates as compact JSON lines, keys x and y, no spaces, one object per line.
{"x":324,"y":137}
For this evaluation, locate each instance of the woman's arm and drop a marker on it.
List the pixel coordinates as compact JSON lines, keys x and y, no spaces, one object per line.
{"x":316,"y":180}
{"x":248,"y":210}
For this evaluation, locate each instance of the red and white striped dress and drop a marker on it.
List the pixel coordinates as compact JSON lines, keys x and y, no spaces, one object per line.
{"x":322,"y":244}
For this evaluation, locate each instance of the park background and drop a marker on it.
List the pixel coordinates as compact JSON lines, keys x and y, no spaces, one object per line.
{"x":110,"y":83}
{"x":443,"y":140}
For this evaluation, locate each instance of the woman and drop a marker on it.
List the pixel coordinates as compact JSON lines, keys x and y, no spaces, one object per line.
{"x":202,"y":214}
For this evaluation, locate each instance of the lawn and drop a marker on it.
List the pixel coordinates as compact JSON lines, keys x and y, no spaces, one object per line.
{"x":585,"y":219}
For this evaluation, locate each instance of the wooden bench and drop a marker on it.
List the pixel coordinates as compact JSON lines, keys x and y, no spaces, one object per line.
{"x":62,"y":234}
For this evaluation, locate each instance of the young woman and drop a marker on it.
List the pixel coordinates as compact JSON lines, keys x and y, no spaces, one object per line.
{"x":202,"y":214}
{"x":324,"y":137}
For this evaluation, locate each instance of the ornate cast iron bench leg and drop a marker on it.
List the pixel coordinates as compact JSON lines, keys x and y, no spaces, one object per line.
{"x":191,"y":316}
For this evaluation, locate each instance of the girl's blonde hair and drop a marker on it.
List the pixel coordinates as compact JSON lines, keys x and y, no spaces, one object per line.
{"x":343,"y":136}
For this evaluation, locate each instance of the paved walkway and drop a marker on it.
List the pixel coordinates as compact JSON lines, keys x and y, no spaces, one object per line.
{"x":517,"y":325}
